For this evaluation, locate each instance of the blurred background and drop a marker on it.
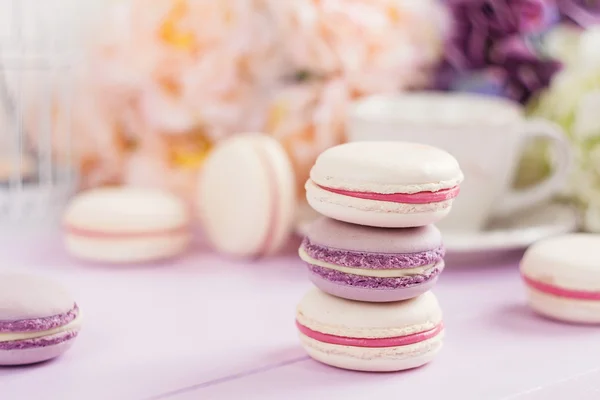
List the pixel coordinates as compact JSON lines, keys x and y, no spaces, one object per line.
{"x":131,"y":92}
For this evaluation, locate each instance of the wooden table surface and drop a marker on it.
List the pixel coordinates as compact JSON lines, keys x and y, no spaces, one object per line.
{"x":204,"y":327}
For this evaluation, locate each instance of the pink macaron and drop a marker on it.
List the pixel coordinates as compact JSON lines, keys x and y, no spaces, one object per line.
{"x":372,"y":264}
{"x":39,"y":320}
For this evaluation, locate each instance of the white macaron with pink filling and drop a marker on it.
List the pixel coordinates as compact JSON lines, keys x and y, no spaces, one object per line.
{"x":562,"y":277}
{"x":384,"y":184}
{"x":246,"y":196}
{"x":126,"y":225}
{"x":373,"y":337}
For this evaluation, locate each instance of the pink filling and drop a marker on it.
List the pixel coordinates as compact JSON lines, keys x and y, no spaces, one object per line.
{"x":378,"y":342}
{"x":408,"y":198}
{"x":560,"y":292}
{"x":123,"y":235}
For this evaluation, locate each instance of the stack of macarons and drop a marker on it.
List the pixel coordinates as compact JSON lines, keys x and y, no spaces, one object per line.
{"x":375,"y":254}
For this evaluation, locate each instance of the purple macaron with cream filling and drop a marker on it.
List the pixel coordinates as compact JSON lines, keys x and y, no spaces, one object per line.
{"x":372,"y":264}
{"x":39,"y":320}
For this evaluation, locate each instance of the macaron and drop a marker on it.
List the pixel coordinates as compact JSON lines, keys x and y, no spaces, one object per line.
{"x":39,"y":320}
{"x":246,"y":196}
{"x":384,"y":184}
{"x":372,"y":264}
{"x":368,"y":336}
{"x":562,"y":277}
{"x":126,"y":225}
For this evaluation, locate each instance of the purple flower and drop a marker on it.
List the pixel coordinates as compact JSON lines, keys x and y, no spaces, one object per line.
{"x":490,"y":48}
{"x":583,"y":12}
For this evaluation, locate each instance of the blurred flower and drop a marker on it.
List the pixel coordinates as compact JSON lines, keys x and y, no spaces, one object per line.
{"x":496,"y":39}
{"x":562,"y":43}
{"x":584,"y":13}
{"x":167,"y":79}
{"x":374,"y":45}
{"x":307,"y":119}
{"x":178,"y":65}
{"x":573,"y":101}
{"x":162,"y":76}
{"x":81,"y":134}
{"x":171,"y":166}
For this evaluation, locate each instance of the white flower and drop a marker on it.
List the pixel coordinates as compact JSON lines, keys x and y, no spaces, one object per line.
{"x":587,"y":116}
{"x":594,"y":159}
{"x":562,"y":43}
{"x":592,"y":219}
{"x":589,"y":48}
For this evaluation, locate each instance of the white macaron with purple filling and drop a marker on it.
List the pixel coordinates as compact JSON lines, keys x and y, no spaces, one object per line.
{"x":372,"y":264}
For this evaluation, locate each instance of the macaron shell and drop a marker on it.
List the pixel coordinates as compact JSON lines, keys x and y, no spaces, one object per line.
{"x":374,"y":213}
{"x":324,"y":313}
{"x":385,"y":359}
{"x":247,"y":195}
{"x":368,"y":294}
{"x":564,"y":309}
{"x":126,"y":209}
{"x":127,"y":250}
{"x":285,"y":189}
{"x":35,"y":354}
{"x":344,"y":236}
{"x":386,"y":167}
{"x":27,"y":297}
{"x":567,"y":261}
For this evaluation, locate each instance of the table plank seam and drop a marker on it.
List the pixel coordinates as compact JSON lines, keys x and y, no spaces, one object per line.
{"x":228,"y":378}
{"x":558,"y":382}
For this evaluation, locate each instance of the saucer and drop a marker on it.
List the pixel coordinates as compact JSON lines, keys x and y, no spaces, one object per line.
{"x":516,"y":232}
{"x":503,"y":236}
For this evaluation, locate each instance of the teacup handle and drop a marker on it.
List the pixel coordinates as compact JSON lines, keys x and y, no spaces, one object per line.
{"x":517,"y":200}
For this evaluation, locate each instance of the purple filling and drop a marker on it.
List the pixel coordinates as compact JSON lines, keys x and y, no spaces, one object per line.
{"x":39,"y":324}
{"x":370,"y":282}
{"x":38,"y":342}
{"x":366,"y":260}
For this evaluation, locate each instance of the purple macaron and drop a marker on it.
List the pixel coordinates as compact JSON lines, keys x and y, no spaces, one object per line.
{"x":39,"y":320}
{"x":372,"y":264}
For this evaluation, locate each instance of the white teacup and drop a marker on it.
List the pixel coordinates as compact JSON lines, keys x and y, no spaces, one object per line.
{"x":485,"y":134}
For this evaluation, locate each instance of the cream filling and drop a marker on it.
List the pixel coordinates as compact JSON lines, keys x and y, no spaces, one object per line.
{"x":71,"y":326}
{"x":378,"y":273}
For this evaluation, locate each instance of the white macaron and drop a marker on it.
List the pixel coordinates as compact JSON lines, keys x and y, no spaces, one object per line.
{"x":370,"y":336}
{"x":384,"y":184}
{"x":246,"y":196}
{"x":562,"y":277}
{"x":126,"y":225}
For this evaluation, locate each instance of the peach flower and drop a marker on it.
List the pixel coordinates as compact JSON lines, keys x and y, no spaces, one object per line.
{"x":171,"y":163}
{"x":76,"y":131}
{"x":307,"y":119}
{"x":376,"y":45}
{"x":176,"y":66}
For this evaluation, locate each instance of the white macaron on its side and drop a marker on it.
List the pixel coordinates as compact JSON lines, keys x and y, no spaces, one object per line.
{"x":246,"y":196}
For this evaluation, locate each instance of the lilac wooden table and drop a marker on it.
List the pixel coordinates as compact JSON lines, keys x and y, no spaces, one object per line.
{"x":207,"y":328}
